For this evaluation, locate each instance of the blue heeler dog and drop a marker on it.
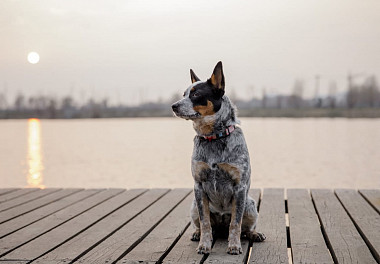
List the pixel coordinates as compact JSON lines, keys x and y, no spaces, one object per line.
{"x":220,"y":165}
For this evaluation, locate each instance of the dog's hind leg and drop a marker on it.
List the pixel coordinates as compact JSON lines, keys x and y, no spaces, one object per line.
{"x":195,"y":222}
{"x":250,"y":220}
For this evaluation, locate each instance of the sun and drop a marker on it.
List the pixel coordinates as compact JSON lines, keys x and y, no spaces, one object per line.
{"x":33,"y":57}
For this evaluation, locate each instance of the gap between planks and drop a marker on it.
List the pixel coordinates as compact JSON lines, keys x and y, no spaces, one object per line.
{"x":317,"y":210}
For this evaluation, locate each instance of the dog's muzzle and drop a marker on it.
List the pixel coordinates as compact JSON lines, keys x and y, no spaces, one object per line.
{"x":175,"y":107}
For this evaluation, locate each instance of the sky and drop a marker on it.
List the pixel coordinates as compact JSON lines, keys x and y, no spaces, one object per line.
{"x":134,"y":51}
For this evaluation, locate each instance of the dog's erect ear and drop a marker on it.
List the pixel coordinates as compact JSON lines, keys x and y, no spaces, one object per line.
{"x":194,"y":78}
{"x":217,"y":78}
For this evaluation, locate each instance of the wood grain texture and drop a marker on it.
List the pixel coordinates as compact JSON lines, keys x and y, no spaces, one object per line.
{"x":139,"y":226}
{"x":163,"y":236}
{"x":307,"y":242}
{"x":219,"y":254}
{"x":184,"y":250}
{"x":68,"y":230}
{"x":38,"y":214}
{"x":24,"y":236}
{"x":346,"y":244}
{"x":272,"y":223}
{"x":98,"y":232}
{"x":16,"y":194}
{"x":27,"y":198}
{"x":373,"y":197}
{"x":45,"y":197}
{"x":7,"y":190}
{"x":366,"y":219}
{"x":131,"y":234}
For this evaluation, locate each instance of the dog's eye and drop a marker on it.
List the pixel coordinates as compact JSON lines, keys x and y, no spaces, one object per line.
{"x":196,"y":94}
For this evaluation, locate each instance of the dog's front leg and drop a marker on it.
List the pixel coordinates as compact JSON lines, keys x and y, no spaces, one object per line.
{"x":238,"y":204}
{"x":205,"y":242}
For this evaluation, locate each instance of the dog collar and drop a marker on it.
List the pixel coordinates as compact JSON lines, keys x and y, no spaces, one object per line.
{"x":223,"y":134}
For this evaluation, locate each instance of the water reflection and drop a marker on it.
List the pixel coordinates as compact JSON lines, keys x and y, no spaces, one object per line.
{"x":35,"y":166}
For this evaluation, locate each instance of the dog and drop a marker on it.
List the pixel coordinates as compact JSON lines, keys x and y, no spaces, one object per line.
{"x":220,"y":165}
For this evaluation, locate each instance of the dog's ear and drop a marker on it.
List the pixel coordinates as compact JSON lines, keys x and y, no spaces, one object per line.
{"x":217,"y":78}
{"x":194,"y":78}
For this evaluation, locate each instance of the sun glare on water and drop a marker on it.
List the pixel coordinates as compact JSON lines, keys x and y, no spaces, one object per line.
{"x":33,"y":57}
{"x":35,"y":166}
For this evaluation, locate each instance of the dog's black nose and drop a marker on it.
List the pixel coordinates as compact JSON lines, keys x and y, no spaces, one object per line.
{"x":175,"y":107}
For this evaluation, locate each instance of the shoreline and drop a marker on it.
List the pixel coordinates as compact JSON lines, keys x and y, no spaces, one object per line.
{"x":243,"y":112}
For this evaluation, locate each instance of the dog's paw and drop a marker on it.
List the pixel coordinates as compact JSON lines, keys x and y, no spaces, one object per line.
{"x":254,"y":236}
{"x":234,"y":249}
{"x":258,"y":237}
{"x":204,"y":248}
{"x":196,"y":236}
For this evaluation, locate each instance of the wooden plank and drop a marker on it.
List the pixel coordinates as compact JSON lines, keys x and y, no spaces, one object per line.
{"x":131,"y":234}
{"x":365,"y":218}
{"x":25,"y":199}
{"x":98,"y":232}
{"x":373,"y":197}
{"x":7,"y":190}
{"x":40,"y":213}
{"x":61,"y":234}
{"x":50,"y":196}
{"x":163,"y":236}
{"x":219,"y":255}
{"x":16,"y":194}
{"x":272,"y":224}
{"x":307,"y":242}
{"x":344,"y":241}
{"x":184,"y":250}
{"x":23,"y":236}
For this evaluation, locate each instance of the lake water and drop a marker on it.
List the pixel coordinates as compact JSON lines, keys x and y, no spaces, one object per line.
{"x":132,"y":153}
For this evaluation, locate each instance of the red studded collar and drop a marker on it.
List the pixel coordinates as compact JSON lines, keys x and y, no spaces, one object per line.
{"x":222,"y":134}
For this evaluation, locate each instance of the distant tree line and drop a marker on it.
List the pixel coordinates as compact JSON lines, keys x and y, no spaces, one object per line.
{"x":357,"y":96}
{"x":67,"y":107}
{"x":365,"y":95}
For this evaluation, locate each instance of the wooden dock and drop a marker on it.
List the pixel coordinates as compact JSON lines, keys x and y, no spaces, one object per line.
{"x":153,"y":226}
